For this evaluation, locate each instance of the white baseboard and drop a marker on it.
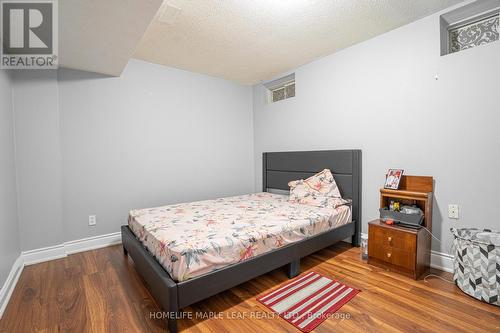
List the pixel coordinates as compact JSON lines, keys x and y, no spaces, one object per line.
{"x":50,"y":253}
{"x":442,"y":261}
{"x":92,"y":243}
{"x":44,"y":254}
{"x":10,"y":284}
{"x":80,"y":245}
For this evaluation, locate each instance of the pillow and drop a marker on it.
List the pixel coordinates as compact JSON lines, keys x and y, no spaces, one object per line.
{"x":324,"y":183}
{"x":319,"y":190}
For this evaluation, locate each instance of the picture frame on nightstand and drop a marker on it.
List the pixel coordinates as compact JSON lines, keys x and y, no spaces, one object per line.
{"x":393,"y":178}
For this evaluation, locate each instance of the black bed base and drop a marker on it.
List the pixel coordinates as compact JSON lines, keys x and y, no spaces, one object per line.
{"x":173,"y":296}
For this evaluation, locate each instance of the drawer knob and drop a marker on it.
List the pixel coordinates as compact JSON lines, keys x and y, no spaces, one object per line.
{"x":389,"y":239}
{"x":388,"y":254}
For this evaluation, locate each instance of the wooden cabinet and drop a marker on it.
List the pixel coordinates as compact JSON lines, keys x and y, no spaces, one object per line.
{"x":397,"y":248}
{"x":402,"y":250}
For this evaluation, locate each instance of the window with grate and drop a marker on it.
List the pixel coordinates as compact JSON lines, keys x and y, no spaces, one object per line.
{"x":468,"y":26}
{"x":281,"y":89}
{"x":476,"y":32}
{"x":287,"y":90}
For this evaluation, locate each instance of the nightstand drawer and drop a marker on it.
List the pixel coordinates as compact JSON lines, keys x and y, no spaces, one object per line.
{"x":391,"y":238}
{"x":394,"y":256}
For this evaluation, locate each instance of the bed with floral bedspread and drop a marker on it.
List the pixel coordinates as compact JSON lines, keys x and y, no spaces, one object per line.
{"x":192,"y":239}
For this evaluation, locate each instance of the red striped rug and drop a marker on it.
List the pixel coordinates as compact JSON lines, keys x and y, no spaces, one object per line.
{"x":308,"y":300}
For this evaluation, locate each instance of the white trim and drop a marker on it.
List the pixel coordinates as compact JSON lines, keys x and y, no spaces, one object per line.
{"x":92,"y":243}
{"x":442,"y":261}
{"x":44,"y":254}
{"x":50,"y":253}
{"x":80,"y":245}
{"x":10,"y":284}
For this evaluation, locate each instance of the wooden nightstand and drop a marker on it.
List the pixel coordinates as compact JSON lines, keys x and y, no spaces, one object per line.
{"x":400,"y":249}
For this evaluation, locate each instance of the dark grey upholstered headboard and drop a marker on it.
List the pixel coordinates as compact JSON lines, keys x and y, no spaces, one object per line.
{"x":279,"y":168}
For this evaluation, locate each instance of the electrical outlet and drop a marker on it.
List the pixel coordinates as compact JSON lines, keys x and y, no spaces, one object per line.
{"x":92,"y":220}
{"x":453,"y":212}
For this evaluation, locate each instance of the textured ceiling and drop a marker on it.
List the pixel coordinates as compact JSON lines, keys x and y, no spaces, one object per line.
{"x":249,"y":41}
{"x":101,"y":35}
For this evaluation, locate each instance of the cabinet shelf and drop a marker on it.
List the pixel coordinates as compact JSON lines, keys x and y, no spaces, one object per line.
{"x":417,"y":190}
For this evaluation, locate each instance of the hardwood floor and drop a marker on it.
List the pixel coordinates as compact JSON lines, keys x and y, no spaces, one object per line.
{"x":100,"y":291}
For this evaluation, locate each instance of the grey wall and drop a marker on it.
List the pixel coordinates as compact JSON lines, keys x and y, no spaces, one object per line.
{"x":38,"y":158}
{"x":381,"y":96}
{"x":154,"y":136}
{"x":90,"y":144}
{"x":9,"y":235}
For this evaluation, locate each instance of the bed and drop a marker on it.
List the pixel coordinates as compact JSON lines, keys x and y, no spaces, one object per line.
{"x":196,"y":238}
{"x":188,"y":252}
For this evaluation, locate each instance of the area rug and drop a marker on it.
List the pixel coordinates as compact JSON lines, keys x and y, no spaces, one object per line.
{"x":308,"y":300}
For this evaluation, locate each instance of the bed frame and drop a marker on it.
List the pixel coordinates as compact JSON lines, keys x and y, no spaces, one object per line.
{"x":278,"y":169}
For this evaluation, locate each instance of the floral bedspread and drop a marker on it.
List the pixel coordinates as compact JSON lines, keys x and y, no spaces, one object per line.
{"x":191,"y":239}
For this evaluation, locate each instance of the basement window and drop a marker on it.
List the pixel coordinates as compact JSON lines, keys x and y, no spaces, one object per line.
{"x":469,"y":26}
{"x":482,"y":31}
{"x":285,"y":91}
{"x":281,"y":88}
